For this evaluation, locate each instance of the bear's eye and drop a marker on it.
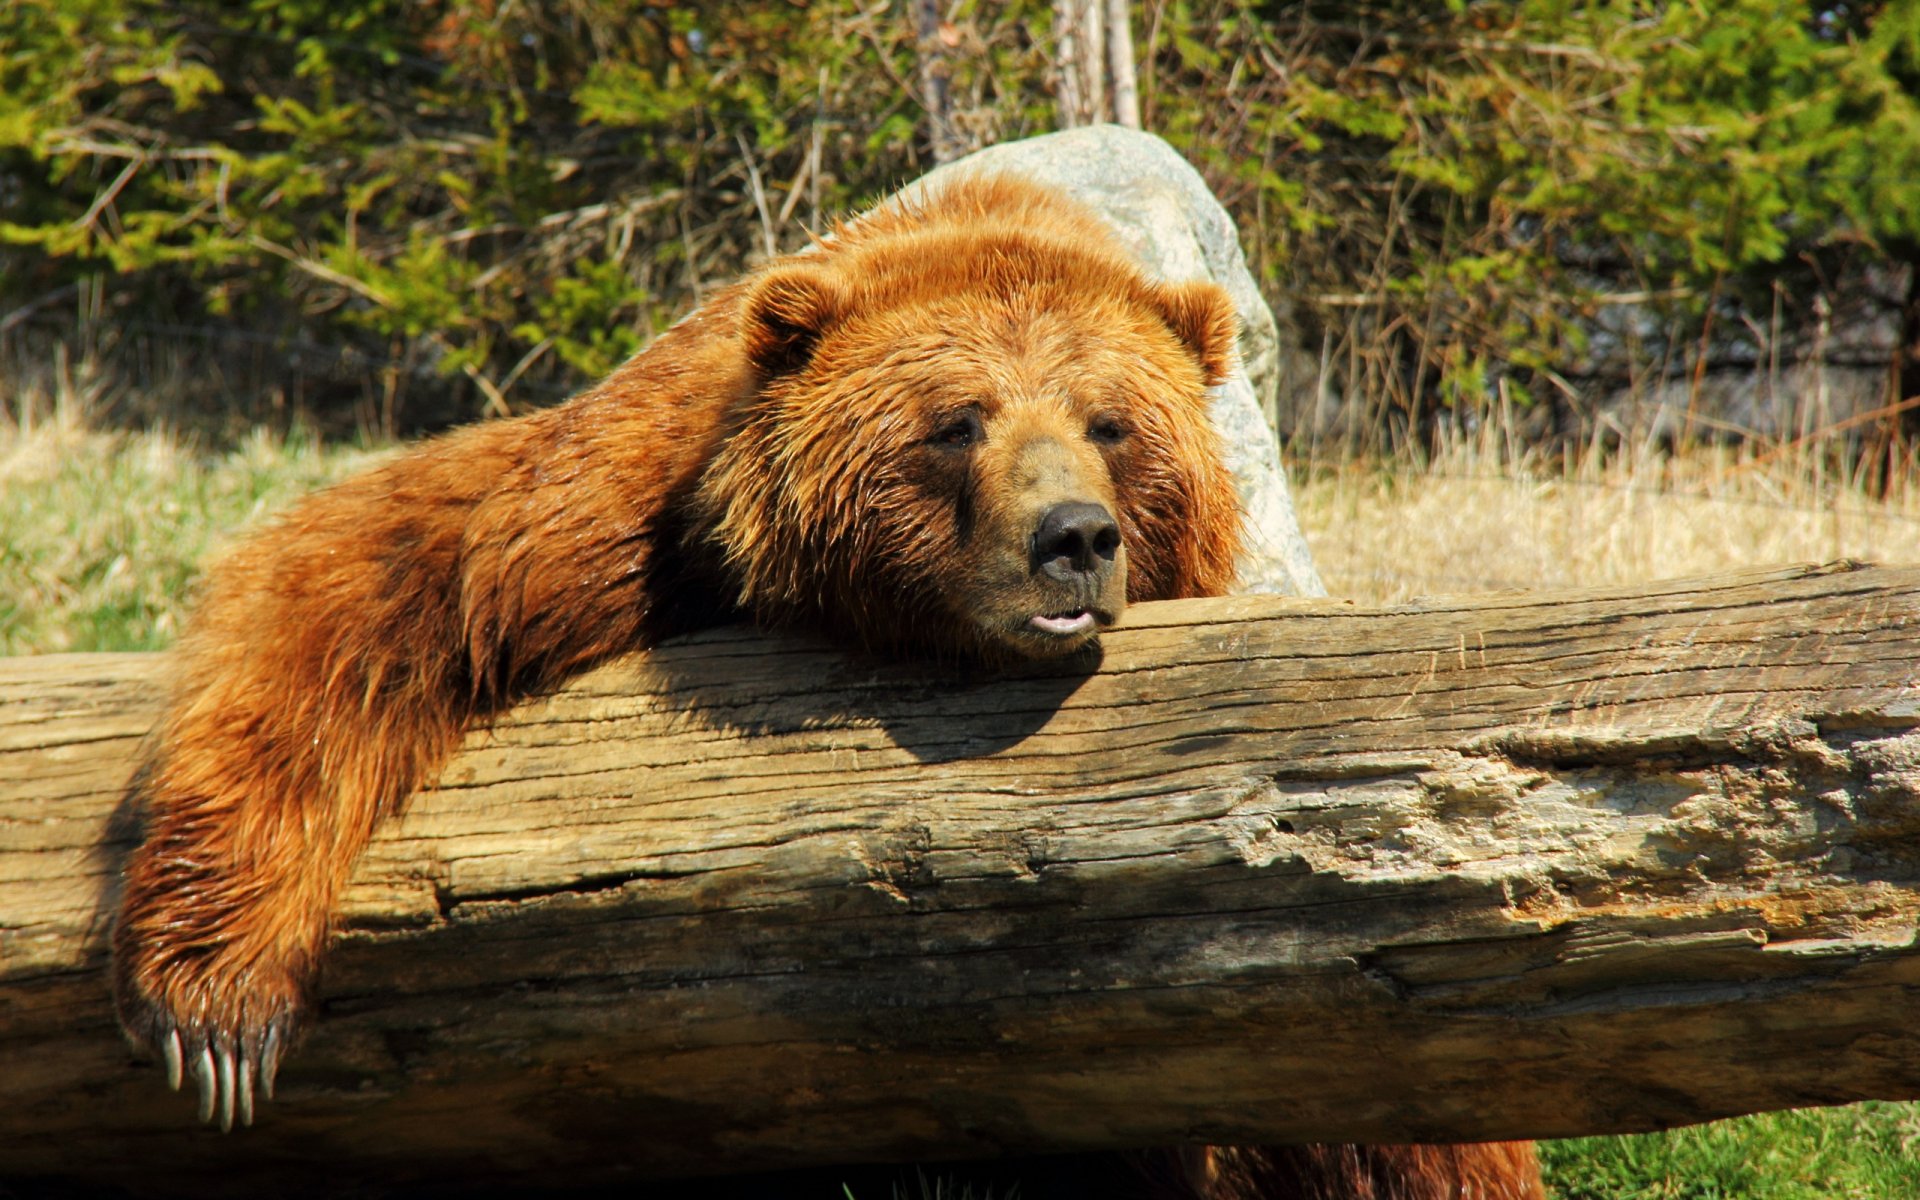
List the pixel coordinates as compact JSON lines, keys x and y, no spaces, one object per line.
{"x":958,"y":432}
{"x":1107,"y":431}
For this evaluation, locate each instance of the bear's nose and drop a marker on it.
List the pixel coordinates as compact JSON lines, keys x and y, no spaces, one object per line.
{"x":1074,"y":540}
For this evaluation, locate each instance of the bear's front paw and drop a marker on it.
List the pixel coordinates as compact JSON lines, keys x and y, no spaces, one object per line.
{"x":226,"y":1054}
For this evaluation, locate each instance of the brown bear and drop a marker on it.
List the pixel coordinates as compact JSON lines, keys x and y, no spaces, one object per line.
{"x":963,"y":427}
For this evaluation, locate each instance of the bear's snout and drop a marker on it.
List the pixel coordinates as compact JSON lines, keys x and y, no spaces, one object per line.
{"x":1051,"y":559}
{"x":1075,"y":543}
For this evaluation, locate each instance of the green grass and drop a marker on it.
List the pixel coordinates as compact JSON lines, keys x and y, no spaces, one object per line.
{"x":1859,"y":1152}
{"x":100,"y":537}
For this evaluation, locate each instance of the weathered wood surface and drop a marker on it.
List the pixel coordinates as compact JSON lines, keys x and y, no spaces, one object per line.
{"x":1524,"y":864}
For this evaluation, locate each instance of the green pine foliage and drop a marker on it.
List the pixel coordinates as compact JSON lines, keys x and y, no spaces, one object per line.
{"x":1459,"y":192}
{"x":476,"y":192}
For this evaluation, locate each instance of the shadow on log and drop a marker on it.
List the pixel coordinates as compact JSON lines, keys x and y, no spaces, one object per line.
{"x":1274,"y":870}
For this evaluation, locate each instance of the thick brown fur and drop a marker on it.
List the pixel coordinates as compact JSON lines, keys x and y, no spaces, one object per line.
{"x":872,"y":440}
{"x":1473,"y":1171}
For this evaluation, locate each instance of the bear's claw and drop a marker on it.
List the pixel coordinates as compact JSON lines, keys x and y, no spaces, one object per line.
{"x":170,"y":1050}
{"x":224,"y":1067}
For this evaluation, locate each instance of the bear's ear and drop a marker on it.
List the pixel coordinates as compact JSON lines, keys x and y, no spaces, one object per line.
{"x":786,"y":312}
{"x":1202,"y":316}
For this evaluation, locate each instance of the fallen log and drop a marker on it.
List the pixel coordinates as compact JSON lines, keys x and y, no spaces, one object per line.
{"x":1272,"y":870}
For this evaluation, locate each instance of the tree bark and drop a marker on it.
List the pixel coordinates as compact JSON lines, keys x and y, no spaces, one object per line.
{"x":1272,"y":870}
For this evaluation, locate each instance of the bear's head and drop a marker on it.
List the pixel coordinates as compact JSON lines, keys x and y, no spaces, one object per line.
{"x":975,"y":428}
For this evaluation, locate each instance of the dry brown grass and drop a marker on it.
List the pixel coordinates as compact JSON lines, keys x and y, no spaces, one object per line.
{"x":1474,"y":518}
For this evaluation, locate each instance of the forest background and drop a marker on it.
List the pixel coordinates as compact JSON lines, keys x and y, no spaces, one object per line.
{"x":399,"y":214}
{"x":1574,"y":293}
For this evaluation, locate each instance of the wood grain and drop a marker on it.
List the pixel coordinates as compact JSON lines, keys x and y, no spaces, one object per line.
{"x":1271,"y":870}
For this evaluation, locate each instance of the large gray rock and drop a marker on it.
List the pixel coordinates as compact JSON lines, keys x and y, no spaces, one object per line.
{"x":1162,"y":209}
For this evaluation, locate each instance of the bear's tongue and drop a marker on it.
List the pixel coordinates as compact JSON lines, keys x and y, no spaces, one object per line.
{"x":1064,"y":624}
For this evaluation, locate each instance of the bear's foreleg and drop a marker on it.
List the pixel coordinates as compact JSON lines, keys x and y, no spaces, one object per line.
{"x":333,"y":664}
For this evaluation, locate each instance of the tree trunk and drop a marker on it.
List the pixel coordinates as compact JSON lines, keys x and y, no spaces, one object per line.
{"x":1126,"y":88}
{"x":1093,"y":58}
{"x":935,"y":82}
{"x":1274,"y":870}
{"x":1079,"y":54}
{"x":1904,"y":370}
